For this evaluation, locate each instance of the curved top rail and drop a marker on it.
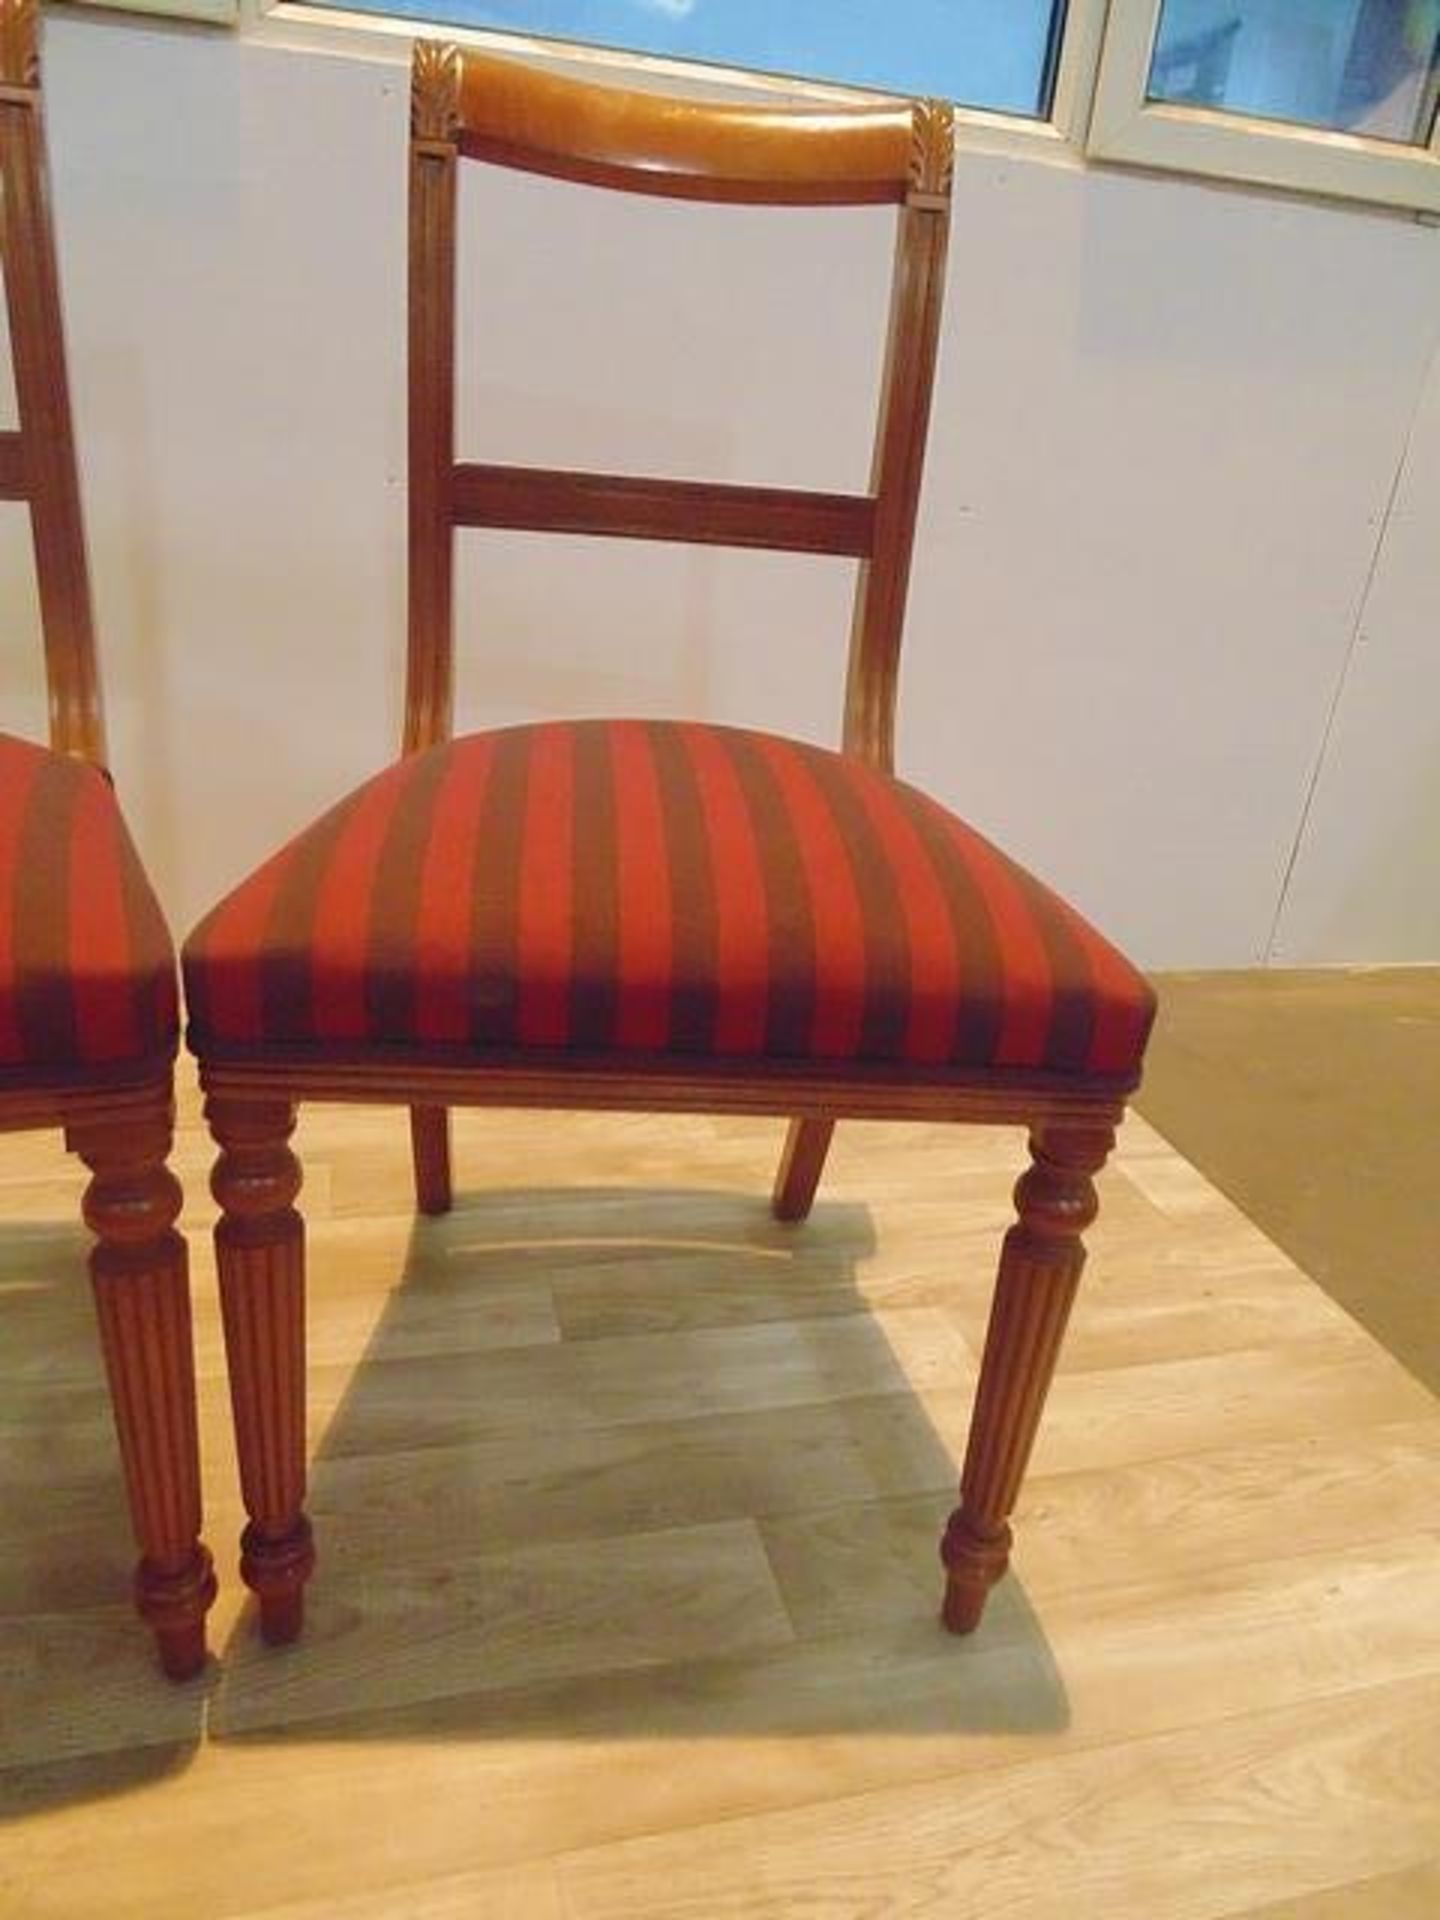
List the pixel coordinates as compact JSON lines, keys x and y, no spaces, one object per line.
{"x":543,"y":122}
{"x":19,"y":43}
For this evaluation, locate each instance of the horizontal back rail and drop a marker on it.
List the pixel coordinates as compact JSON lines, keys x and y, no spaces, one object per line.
{"x":626,"y":507}
{"x":543,"y":122}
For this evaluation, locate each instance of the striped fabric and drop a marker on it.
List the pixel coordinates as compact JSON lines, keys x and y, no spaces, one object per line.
{"x":87,"y":971}
{"x":640,"y":887}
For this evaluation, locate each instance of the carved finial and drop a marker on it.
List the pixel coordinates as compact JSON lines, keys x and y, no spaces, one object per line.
{"x":19,"y":43}
{"x":435,"y":91}
{"x":932,"y":149}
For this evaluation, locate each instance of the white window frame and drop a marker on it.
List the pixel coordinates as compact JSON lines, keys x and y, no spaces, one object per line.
{"x":1127,"y":126}
{"x":1061,"y":137}
{"x":1099,"y":110}
{"x":211,"y":13}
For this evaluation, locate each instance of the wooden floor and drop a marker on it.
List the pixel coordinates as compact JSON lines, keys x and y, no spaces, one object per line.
{"x":628,"y":1504}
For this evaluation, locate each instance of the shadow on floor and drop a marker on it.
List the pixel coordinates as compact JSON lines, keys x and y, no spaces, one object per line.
{"x":77,"y":1679}
{"x":703,"y":1499}
{"x":613,"y":1463}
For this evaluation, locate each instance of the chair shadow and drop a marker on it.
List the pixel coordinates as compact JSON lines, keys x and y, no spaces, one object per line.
{"x":626,"y":1463}
{"x":83,"y":1709}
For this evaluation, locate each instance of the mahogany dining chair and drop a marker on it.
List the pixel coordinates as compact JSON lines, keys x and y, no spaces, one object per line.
{"x":662,"y":916}
{"x":89,"y":1019}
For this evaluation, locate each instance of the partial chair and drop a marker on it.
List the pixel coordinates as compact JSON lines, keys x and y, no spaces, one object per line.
{"x":654,"y":915}
{"x":89,"y":1021}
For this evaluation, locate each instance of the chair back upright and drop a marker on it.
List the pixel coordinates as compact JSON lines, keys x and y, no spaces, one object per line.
{"x":37,"y":459}
{"x":467,"y":106}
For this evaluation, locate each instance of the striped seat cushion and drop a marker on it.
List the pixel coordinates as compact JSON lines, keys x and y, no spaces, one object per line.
{"x":645,"y":888}
{"x":87,"y":970}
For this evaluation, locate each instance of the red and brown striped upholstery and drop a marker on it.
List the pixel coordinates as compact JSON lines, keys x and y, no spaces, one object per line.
{"x":87,"y":970}
{"x":640,"y":888}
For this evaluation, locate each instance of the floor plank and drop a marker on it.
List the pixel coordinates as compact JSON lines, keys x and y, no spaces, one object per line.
{"x":1186,"y":1822}
{"x":1411,"y":1894}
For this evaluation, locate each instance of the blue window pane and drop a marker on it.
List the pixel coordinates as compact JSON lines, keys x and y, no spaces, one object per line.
{"x":1355,"y":66}
{"x":985,"y":53}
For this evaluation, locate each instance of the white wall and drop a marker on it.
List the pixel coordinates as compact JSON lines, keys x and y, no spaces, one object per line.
{"x":1169,"y":421}
{"x":1366,"y":882}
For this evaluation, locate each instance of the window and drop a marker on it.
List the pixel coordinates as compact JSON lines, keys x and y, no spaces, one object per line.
{"x":996,"y":54}
{"x":1355,"y":67}
{"x":1338,"y":96}
{"x":1334,"y":97}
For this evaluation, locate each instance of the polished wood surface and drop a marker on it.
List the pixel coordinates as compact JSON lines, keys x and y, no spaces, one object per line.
{"x":642,"y":142}
{"x":1040,"y":1266}
{"x":140,"y":1273}
{"x":38,"y":463}
{"x":13,"y":484}
{"x":698,"y":513}
{"x":872,"y":680}
{"x":259,"y":1254}
{"x":629,"y":1500}
{"x":430,"y":1150}
{"x":802,"y":1161}
{"x":119,"y":1128}
{"x":429,"y":676}
{"x":668,"y":1085}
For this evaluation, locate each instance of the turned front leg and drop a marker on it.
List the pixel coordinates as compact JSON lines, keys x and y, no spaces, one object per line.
{"x":140,"y":1274}
{"x":260,"y":1253}
{"x":1040,"y":1268}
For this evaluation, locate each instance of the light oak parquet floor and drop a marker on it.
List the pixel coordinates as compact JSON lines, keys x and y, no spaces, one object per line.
{"x":628,"y":1502}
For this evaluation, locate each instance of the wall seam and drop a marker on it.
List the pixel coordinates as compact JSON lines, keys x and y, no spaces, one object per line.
{"x":1357,"y":628}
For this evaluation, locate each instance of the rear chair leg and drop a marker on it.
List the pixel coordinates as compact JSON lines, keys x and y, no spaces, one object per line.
{"x":140,"y":1273}
{"x":801,"y":1165}
{"x":1039,"y":1271}
{"x":260,"y":1251}
{"x":430,"y":1149}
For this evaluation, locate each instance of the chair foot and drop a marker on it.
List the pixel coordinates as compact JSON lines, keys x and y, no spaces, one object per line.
{"x":173,"y":1606}
{"x":183,"y":1653}
{"x":801,"y":1164}
{"x":275,"y":1572}
{"x":972,"y":1567}
{"x":430,"y":1151}
{"x":1040,"y":1267}
{"x":282,"y":1618}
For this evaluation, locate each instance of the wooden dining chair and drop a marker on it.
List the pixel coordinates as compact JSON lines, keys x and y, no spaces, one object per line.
{"x":89,"y":1019}
{"x":653,"y":915}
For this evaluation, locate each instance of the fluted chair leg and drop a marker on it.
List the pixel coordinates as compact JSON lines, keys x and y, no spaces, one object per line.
{"x":801,"y":1165}
{"x":140,"y":1273}
{"x":430,"y":1149}
{"x":260,"y":1252}
{"x":1040,"y":1268}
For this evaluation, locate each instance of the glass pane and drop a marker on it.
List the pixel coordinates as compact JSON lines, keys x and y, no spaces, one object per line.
{"x":985,"y":53}
{"x":1357,"y":66}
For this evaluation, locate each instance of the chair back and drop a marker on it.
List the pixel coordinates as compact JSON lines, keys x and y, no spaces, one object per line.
{"x":467,"y":106}
{"x":37,"y":460}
